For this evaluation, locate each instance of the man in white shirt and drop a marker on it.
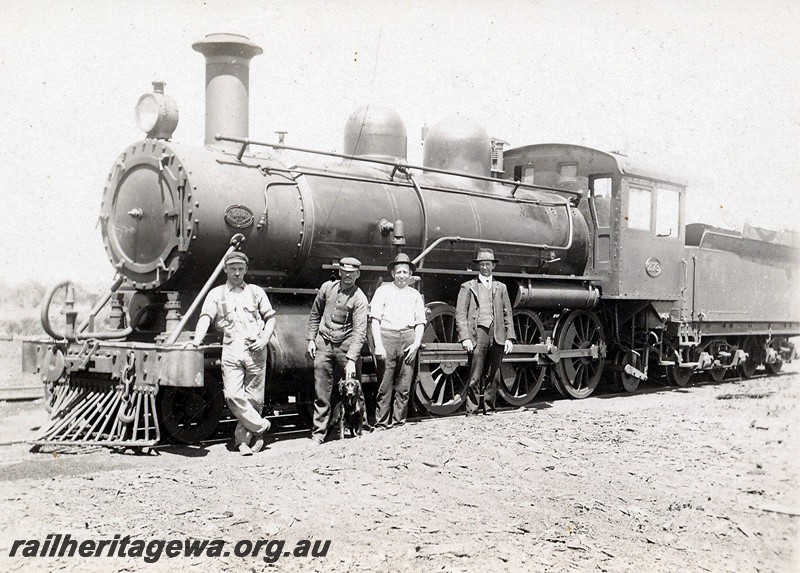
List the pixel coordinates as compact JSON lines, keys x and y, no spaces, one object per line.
{"x":245,"y":316}
{"x":398,"y":321}
{"x":486,"y":329}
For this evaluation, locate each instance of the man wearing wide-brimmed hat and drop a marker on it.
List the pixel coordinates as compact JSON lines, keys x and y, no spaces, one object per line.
{"x":398,"y":321}
{"x":485,"y":329}
{"x":243,"y":313}
{"x":337,"y":329}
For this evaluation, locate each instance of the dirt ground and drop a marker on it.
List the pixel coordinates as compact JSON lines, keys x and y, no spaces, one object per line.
{"x":697,"y":479}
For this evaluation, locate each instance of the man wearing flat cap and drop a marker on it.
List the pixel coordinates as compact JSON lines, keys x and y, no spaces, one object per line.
{"x":243,"y":313}
{"x":486,"y":330}
{"x":398,"y":321}
{"x":337,"y":329}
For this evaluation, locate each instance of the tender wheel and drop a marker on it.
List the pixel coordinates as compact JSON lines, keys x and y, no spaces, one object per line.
{"x":623,"y":380}
{"x":442,"y":386}
{"x":717,"y":374}
{"x":521,"y":381}
{"x":714,"y":348}
{"x":774,"y":368}
{"x":579,"y":330}
{"x":756,"y":355}
{"x":191,"y":414}
{"x":680,"y":375}
{"x":775,"y":345}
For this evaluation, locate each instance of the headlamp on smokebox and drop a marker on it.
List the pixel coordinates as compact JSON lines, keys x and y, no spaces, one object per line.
{"x":156,"y":113}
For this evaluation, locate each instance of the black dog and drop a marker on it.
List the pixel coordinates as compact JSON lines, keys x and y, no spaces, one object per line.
{"x":350,"y":410}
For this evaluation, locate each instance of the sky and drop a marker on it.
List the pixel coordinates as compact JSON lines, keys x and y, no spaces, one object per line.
{"x":706,"y":91}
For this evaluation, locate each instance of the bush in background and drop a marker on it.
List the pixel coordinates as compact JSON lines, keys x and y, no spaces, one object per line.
{"x":20,"y":307}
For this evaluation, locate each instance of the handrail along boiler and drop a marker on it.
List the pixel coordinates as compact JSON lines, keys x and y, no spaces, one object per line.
{"x":596,"y":249}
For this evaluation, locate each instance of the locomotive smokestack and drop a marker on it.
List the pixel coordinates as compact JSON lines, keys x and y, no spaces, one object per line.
{"x":227,"y":84}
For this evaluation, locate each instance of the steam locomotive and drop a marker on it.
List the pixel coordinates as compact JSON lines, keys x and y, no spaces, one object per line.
{"x":606,"y":276}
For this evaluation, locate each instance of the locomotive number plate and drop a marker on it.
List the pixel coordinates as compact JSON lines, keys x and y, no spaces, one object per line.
{"x":238,"y":216}
{"x":653,"y":266}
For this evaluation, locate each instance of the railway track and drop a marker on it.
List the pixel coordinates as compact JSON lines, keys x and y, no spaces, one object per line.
{"x":22,"y":393}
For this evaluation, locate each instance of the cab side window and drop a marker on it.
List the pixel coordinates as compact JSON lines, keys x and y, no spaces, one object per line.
{"x":523,"y":173}
{"x":668,"y":210}
{"x":640,"y":204}
{"x":600,"y":199}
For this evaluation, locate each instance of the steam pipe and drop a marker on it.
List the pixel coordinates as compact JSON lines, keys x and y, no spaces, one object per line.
{"x":424,"y":212}
{"x":456,"y":239}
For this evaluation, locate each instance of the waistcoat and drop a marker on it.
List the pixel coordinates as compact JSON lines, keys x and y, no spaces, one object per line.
{"x":485,"y":310}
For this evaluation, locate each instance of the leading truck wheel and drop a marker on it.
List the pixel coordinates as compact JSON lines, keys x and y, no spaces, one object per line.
{"x":442,"y":386}
{"x":191,"y":415}
{"x":579,"y":330}
{"x":521,"y":381}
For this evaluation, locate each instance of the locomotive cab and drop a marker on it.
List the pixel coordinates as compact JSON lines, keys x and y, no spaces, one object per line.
{"x":635,"y":216}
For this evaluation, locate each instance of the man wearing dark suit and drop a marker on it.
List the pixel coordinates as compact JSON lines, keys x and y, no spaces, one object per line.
{"x":485,"y":329}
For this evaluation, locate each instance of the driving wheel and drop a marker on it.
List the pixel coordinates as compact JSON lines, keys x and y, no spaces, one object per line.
{"x":521,"y":381}
{"x":578,"y":376}
{"x":442,"y":386}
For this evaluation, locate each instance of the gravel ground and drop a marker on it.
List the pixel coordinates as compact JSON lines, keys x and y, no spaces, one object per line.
{"x":698,"y":479}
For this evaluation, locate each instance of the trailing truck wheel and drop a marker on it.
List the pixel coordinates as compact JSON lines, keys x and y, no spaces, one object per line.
{"x":622,"y":380}
{"x":521,"y":381}
{"x":579,"y":330}
{"x":191,"y":415}
{"x":442,"y":386}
